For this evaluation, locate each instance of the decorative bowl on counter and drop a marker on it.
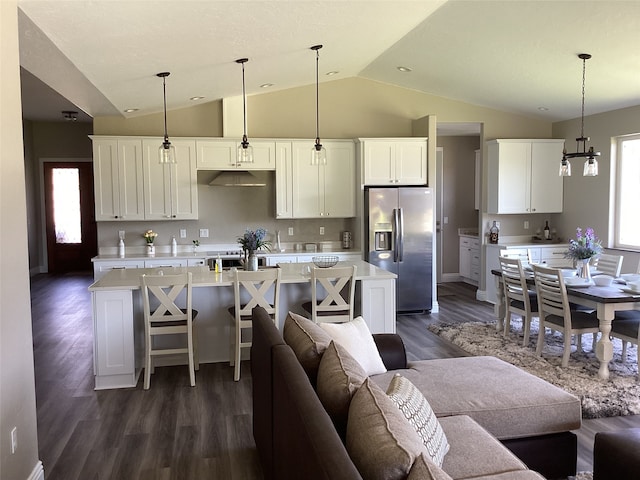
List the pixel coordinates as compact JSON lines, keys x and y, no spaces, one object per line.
{"x":325,"y":261}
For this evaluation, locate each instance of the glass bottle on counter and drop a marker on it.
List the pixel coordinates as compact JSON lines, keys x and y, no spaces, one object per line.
{"x":547,"y":231}
{"x":494,"y":231}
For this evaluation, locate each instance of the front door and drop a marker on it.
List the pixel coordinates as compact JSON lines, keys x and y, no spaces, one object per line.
{"x":70,"y":221}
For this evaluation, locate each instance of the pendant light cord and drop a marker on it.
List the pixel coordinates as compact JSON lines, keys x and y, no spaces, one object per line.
{"x":584,"y":69}
{"x":164,"y":95}
{"x":317,"y":97}
{"x":244,"y":105}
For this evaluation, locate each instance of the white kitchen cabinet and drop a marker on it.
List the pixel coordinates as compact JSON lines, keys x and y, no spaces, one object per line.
{"x":170,"y":190}
{"x":101,"y":267}
{"x":284,"y":180}
{"x":222,"y":154}
{"x":523,"y":176}
{"x":118,"y":179}
{"x":469,"y":261}
{"x":328,"y":190}
{"x":165,"y":262}
{"x":394,"y":161}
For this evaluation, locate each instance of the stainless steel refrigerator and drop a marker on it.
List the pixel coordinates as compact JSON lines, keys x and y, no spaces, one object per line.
{"x":399,"y":238}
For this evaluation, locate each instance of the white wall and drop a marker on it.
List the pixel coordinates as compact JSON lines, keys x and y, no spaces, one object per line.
{"x":587,"y":200}
{"x":17,"y":387}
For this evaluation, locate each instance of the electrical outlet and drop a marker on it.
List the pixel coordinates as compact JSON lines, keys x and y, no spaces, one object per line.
{"x":121,"y":234}
{"x":321,"y":230}
{"x":290,"y":231}
{"x":183,"y":233}
{"x":526,"y":225}
{"x":14,"y":440}
{"x":204,"y":232}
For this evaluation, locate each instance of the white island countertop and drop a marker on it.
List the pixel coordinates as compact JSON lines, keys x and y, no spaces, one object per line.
{"x":129,"y":279}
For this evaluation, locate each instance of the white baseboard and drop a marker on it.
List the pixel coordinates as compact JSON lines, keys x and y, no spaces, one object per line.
{"x":37,"y":473}
{"x":451,"y":277}
{"x":435,"y":307}
{"x":481,"y":295}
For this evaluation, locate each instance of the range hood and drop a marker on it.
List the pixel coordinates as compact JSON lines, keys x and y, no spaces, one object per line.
{"x":240,"y":178}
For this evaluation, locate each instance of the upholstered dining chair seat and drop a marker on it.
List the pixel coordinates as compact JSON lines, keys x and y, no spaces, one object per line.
{"x":627,"y":327}
{"x":176,"y":323}
{"x":533,"y":299}
{"x":579,"y":319}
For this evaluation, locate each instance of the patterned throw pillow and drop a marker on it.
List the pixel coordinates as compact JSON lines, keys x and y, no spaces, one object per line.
{"x":417,"y":410}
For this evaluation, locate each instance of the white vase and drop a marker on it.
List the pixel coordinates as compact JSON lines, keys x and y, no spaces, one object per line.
{"x":151,"y":250}
{"x":252,"y":263}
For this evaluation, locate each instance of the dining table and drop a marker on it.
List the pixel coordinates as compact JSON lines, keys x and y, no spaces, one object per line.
{"x":605,"y":301}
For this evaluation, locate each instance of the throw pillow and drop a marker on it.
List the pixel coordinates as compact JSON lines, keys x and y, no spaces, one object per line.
{"x":417,"y":410}
{"x":380,"y":441}
{"x":425,"y":469}
{"x":308,"y":341}
{"x":339,"y":376}
{"x":356,"y":338}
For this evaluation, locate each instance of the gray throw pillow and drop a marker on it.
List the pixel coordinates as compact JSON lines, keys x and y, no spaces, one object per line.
{"x":308,"y":341}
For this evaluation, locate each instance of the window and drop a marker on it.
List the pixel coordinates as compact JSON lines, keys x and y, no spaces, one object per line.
{"x":66,"y":205}
{"x":627,"y":227}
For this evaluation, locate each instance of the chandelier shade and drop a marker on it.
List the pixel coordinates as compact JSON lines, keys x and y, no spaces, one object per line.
{"x":166,"y":152}
{"x":591,"y":163}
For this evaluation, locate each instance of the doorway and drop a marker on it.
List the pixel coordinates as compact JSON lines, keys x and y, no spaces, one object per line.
{"x":70,"y":227}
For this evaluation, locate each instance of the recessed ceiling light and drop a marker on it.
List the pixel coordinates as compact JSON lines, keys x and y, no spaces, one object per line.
{"x":332,"y":73}
{"x":196,"y":98}
{"x":131,"y":110}
{"x":404,"y":69}
{"x":543,"y":109}
{"x":266,"y":85}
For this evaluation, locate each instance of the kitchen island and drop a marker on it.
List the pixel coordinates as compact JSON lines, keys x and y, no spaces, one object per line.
{"x":118,"y":324}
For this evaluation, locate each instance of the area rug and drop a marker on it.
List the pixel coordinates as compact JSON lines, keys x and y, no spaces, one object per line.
{"x":620,"y":395}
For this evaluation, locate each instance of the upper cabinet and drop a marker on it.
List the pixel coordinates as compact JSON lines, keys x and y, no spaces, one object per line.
{"x":222,"y":154}
{"x":397,"y":161}
{"x":170,"y":190}
{"x":117,"y":174}
{"x":315,"y":191}
{"x":523,"y":176}
{"x":130,"y":183}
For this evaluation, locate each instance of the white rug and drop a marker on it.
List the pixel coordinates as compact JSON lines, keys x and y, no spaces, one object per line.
{"x":618,"y":396}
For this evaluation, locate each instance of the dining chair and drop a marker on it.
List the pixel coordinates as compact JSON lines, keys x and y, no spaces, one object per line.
{"x":608,"y":264}
{"x":251,"y":289}
{"x":519,"y":300}
{"x":554,"y":312}
{"x":522,"y":254}
{"x":167,"y":311}
{"x":338,"y":285}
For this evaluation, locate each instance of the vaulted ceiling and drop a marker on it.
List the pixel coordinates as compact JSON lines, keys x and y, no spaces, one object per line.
{"x":511,"y":55}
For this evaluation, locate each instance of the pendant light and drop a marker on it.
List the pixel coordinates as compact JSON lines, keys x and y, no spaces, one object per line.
{"x":591,"y":163}
{"x":166,"y":152}
{"x":245,"y":151}
{"x":318,"y":152}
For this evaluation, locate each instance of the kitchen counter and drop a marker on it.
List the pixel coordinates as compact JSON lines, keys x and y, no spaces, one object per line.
{"x":119,"y":326}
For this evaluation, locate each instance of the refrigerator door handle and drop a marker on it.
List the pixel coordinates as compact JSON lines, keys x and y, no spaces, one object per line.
{"x":396,"y":235}
{"x":400,"y":235}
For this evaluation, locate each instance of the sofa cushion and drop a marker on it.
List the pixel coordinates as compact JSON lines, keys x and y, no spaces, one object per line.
{"x":424,"y":469}
{"x":505,"y":400}
{"x":339,"y":376}
{"x":380,"y":441}
{"x":308,"y":341}
{"x":356,"y":338}
{"x":418,"y":412}
{"x":474,"y":452}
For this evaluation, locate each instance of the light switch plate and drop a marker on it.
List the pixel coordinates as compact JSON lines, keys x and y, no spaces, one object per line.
{"x":204,"y":232}
{"x":183,"y":233}
{"x":290,"y":231}
{"x":321,"y":230}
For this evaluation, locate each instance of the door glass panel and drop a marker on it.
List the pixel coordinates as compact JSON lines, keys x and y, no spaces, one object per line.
{"x":66,"y":205}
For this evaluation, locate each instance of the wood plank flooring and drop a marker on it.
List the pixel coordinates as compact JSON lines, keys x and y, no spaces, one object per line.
{"x":174,"y":431}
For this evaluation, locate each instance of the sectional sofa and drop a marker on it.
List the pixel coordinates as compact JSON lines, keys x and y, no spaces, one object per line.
{"x":501,"y":423}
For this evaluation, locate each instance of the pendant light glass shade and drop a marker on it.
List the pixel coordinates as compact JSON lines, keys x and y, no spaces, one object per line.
{"x":245,"y":151}
{"x":166,"y":152}
{"x":590,"y":168}
{"x":591,"y":164}
{"x":318,"y":152}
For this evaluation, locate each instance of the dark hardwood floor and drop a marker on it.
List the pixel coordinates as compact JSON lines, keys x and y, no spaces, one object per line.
{"x":174,"y":431}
